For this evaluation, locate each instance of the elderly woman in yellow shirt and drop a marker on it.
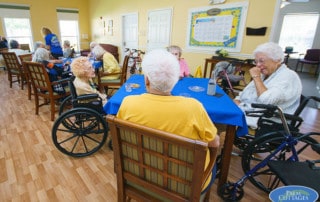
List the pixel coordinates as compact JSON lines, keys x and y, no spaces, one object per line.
{"x":110,"y":64}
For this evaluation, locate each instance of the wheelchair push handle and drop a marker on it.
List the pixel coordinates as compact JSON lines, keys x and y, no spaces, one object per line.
{"x":264,"y":106}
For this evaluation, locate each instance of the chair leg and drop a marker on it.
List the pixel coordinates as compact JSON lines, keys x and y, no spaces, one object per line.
{"x":36,"y":100}
{"x":53,"y":109}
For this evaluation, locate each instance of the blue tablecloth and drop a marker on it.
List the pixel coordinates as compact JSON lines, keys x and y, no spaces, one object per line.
{"x":221,"y":110}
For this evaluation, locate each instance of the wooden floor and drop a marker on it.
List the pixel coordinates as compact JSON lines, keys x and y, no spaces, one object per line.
{"x":32,"y":169}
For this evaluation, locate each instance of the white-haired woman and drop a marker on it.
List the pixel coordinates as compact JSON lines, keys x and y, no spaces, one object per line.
{"x":84,"y":72}
{"x":158,"y":108}
{"x":55,"y":72}
{"x":272,"y":82}
{"x":110,"y":64}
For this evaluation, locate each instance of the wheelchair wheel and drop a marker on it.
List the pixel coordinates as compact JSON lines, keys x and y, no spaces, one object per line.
{"x":65,"y":105}
{"x":79,"y":132}
{"x":261,"y":147}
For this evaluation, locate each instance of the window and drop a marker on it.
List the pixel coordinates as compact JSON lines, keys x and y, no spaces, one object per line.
{"x":69,"y":27}
{"x":16,"y":21}
{"x":298,"y":31}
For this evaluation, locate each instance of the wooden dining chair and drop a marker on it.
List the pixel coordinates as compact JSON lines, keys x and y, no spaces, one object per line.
{"x":154,"y":165}
{"x":209,"y":66}
{"x":15,"y":69}
{"x":43,"y":87}
{"x":113,"y":84}
{"x":26,"y":58}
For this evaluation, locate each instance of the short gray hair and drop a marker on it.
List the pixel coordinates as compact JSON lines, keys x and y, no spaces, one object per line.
{"x":98,"y":51}
{"x":271,"y":50}
{"x":162,"y":69}
{"x":40,"y":55}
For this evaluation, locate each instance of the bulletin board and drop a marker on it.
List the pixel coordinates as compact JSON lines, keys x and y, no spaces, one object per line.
{"x":212,"y":32}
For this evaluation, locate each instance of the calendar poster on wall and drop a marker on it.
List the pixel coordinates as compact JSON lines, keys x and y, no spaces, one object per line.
{"x":213,"y":28}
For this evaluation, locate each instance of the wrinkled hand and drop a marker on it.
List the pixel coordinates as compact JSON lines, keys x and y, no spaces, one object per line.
{"x":255,"y":71}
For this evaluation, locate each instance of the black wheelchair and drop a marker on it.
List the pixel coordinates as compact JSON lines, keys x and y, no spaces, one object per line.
{"x":280,"y":143}
{"x":81,"y":128}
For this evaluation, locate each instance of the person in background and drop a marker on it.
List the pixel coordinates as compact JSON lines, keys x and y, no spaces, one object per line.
{"x":158,"y":108}
{"x":15,"y":47}
{"x":184,"y":68}
{"x":55,"y":71}
{"x":272,"y":82}
{"x":38,"y":44}
{"x":92,"y":45}
{"x":3,"y":42}
{"x":84,"y":72}
{"x":67,"y":50}
{"x":52,"y":43}
{"x":110,"y":64}
{"x":3,"y":45}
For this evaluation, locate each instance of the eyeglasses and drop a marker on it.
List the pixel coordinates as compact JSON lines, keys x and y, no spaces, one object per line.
{"x":260,"y":61}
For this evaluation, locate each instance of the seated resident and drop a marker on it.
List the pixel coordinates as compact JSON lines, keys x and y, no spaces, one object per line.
{"x":159,"y":109}
{"x":67,"y":50}
{"x":110,"y":64}
{"x":184,"y":68}
{"x":84,"y":72}
{"x":272,"y":82}
{"x":15,"y":47}
{"x":55,"y":72}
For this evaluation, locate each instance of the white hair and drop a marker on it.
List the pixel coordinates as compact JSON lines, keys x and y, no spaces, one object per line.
{"x":162,"y":70}
{"x":271,"y":50}
{"x":40,"y":55}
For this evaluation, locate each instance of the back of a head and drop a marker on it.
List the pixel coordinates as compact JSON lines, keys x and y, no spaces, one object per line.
{"x":271,"y":50}
{"x":38,"y":44}
{"x":14,"y":44}
{"x":45,"y":31}
{"x":98,"y":51}
{"x":162,"y":69}
{"x":40,"y":55}
{"x":66,"y":43}
{"x":93,"y":44}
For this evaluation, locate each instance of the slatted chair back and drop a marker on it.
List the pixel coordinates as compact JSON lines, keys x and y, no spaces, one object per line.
{"x":154,"y":165}
{"x":15,"y":70}
{"x":43,"y":87}
{"x":26,"y":58}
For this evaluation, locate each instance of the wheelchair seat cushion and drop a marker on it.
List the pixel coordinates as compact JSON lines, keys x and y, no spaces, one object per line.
{"x":296,"y":173}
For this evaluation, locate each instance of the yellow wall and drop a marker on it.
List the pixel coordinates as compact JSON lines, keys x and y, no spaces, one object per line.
{"x":43,"y":13}
{"x":260,"y":13}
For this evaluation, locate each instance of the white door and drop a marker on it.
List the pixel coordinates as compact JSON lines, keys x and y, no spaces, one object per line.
{"x":129,"y":32}
{"x":159,"y":28}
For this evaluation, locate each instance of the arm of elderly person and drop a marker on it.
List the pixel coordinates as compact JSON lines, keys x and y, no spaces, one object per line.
{"x":281,"y":88}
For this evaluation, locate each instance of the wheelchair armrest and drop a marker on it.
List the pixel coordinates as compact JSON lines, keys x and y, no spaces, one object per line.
{"x":60,"y":81}
{"x":88,"y":96}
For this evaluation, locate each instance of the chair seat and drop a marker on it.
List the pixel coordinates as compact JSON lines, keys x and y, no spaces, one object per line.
{"x":309,"y":61}
{"x":105,"y":80}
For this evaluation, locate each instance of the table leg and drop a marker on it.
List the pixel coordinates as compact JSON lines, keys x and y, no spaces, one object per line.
{"x":226,"y":154}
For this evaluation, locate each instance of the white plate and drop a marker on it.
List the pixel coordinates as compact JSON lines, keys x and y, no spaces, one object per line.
{"x":196,"y":88}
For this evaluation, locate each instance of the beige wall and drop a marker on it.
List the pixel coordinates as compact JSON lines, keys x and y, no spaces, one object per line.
{"x":260,"y":13}
{"x":43,"y":13}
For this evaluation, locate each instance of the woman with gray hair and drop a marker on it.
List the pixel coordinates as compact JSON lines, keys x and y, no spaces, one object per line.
{"x":272,"y":82}
{"x":110,"y":64}
{"x":159,"y":109}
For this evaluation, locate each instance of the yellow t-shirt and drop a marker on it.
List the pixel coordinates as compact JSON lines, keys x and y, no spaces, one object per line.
{"x":110,"y":65}
{"x":175,"y":114}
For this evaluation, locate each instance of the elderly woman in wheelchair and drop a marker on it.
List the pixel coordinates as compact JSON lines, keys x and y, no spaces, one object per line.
{"x":81,"y":128}
{"x":272,"y":83}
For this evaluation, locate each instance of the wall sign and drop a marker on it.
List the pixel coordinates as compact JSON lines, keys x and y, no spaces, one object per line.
{"x":210,"y":31}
